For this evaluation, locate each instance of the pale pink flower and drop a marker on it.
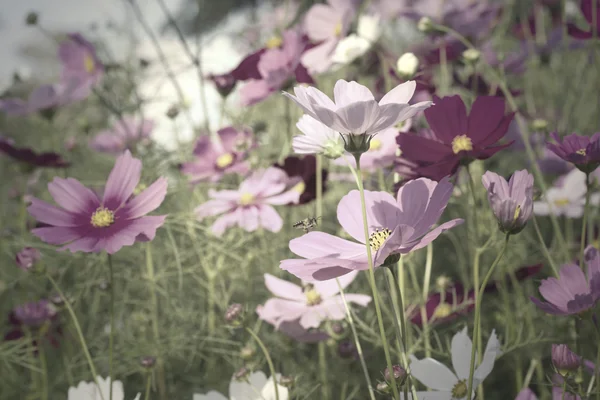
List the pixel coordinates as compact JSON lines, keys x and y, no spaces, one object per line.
{"x":124,"y":134}
{"x":251,"y":206}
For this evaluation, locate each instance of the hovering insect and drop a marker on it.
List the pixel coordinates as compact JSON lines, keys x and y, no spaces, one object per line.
{"x":307,"y":224}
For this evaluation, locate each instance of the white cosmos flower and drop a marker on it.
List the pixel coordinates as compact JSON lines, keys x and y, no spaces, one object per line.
{"x":317,"y":139}
{"x":91,"y":391}
{"x":568,"y":198}
{"x":256,"y":388}
{"x":453,"y":385}
{"x":369,"y":27}
{"x":349,"y":49}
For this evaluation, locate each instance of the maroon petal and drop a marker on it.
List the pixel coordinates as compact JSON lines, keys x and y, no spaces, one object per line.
{"x":447,"y":118}
{"x":486,"y":115}
{"x":420,"y":149}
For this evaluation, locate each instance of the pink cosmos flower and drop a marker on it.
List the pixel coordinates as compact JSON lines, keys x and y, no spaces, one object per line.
{"x":252,"y":204}
{"x":277,"y":67}
{"x":311,"y":304}
{"x":213,"y":159}
{"x":124,"y":134}
{"x":396,"y":226}
{"x":89,"y":224}
{"x":355,"y":111}
{"x":326,"y":24}
{"x":79,"y":60}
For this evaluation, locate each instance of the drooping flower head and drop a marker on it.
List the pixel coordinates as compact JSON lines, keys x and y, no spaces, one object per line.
{"x":566,"y":197}
{"x":454,"y":385}
{"x":102,"y":390}
{"x":583,"y":151}
{"x":306,"y":169}
{"x":396,"y":226}
{"x":256,"y":386}
{"x":512,"y":202}
{"x":123,"y":135}
{"x":311,"y":304}
{"x":459,"y":138}
{"x":86,"y":223}
{"x":564,"y":360}
{"x":79,"y":60}
{"x":574,"y":292}
{"x":251,"y":206}
{"x":31,"y":158}
{"x":215,"y":158}
{"x":355,"y":114}
{"x":587,"y":8}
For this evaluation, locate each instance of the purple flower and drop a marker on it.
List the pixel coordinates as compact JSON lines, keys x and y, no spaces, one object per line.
{"x":79,"y":60}
{"x":396,"y":226}
{"x":355,"y":111}
{"x":326,"y":24}
{"x":27,"y":258}
{"x":587,"y":8}
{"x":213,"y":159}
{"x":251,"y":206}
{"x":564,"y":359}
{"x":458,"y":138}
{"x":572,"y":292}
{"x":582,"y":151}
{"x":526,"y":394}
{"x":277,"y":67}
{"x":124,"y":134}
{"x":311,"y":304}
{"x":512,"y":202}
{"x":29,"y":157}
{"x":85,"y":223}
{"x":306,"y":169}
{"x":34,"y":314}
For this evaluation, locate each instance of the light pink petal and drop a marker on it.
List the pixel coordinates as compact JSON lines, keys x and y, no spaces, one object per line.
{"x":147,"y":201}
{"x":254,"y":92}
{"x":389,"y":115}
{"x":431,"y":236}
{"x":212,"y":208}
{"x":226,"y":195}
{"x":85,"y":244}
{"x":320,"y":22}
{"x":225,"y":221}
{"x":283,"y":289}
{"x":249,"y":219}
{"x":573,"y":280}
{"x":56,"y":235}
{"x":320,"y":244}
{"x":269,"y":218}
{"x":526,"y":394}
{"x":360,"y":299}
{"x":51,"y":215}
{"x":319,"y":59}
{"x":382,"y":212}
{"x":358,"y":117}
{"x":107,"y":142}
{"x":122,"y":181}
{"x":346,"y":93}
{"x":320,"y":269}
{"x":278,"y":310}
{"x":331,"y":288}
{"x":401,"y":94}
{"x":71,"y":195}
{"x":290,"y":196}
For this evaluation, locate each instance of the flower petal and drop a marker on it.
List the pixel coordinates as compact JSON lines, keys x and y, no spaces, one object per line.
{"x":461,"y":354}
{"x":147,"y":201}
{"x":283,"y":289}
{"x":432,"y":374}
{"x":122,"y":181}
{"x":346,"y":93}
{"x":51,"y":215}
{"x":71,"y":195}
{"x":401,"y":94}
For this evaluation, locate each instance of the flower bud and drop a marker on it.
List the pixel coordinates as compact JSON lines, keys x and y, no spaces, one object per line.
{"x":28,"y":258}
{"x":425,"y":25}
{"x":539,"y":125}
{"x":383,"y":387}
{"x":442,"y":283}
{"x":287,"y":381}
{"x":564,"y":360}
{"x":407,"y":65}
{"x":399,"y":374}
{"x":234,"y":314}
{"x":471,"y":55}
{"x":241,"y":374}
{"x":247,"y":352}
{"x":148,"y":362}
{"x":346,"y":349}
{"x":172,"y":112}
{"x":31,"y":18}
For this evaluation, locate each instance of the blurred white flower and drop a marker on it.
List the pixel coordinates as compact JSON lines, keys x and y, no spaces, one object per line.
{"x":91,"y":391}
{"x":566,"y":197}
{"x":257,"y":387}
{"x":369,"y":27}
{"x":350,"y":48}
{"x":317,"y":139}
{"x":407,"y":64}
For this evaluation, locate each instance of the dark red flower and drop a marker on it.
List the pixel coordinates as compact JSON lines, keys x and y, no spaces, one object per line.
{"x":28,"y":156}
{"x":305,"y":168}
{"x":587,"y":8}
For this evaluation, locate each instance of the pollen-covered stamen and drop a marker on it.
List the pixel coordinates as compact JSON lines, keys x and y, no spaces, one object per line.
{"x":312,"y":296}
{"x":581,"y":152}
{"x":224,"y":160}
{"x":459,"y":390}
{"x":246,"y":199}
{"x":89,"y":64}
{"x":102,"y":218}
{"x":443,"y":310}
{"x":561,"y":202}
{"x":378,"y":238}
{"x":300,"y":187}
{"x":462,"y":143}
{"x":337,"y":30}
{"x":375,"y":145}
{"x":274,"y":42}
{"x":139,"y":189}
{"x":517,"y":213}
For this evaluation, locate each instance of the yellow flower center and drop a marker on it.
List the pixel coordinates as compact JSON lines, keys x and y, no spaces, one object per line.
{"x":459,"y":390}
{"x":246,"y":199}
{"x":337,"y":31}
{"x":517,"y":213}
{"x":300,"y":187}
{"x":378,"y":238}
{"x":442,"y":310}
{"x":89,"y":64}
{"x":561,"y":202}
{"x":224,"y":160}
{"x":274,"y":42}
{"x":139,"y":189}
{"x":462,"y":143}
{"x":375,"y":144}
{"x":312,"y":297}
{"x":581,"y":152}
{"x":102,"y":218}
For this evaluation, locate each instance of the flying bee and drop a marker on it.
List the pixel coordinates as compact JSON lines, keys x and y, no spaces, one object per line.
{"x":307,"y":224}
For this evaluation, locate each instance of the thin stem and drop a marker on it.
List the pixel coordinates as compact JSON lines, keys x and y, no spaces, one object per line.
{"x":148,"y":386}
{"x":269,"y":361}
{"x":586,"y":210}
{"x":384,"y":343}
{"x":111,"y":283}
{"x":478,"y":313}
{"x":319,"y":173}
{"x":78,"y":329}
{"x":323,"y":371}
{"x":162,"y":388}
{"x":426,"y":282}
{"x":43,"y":366}
{"x":356,"y":341}
{"x":544,"y":247}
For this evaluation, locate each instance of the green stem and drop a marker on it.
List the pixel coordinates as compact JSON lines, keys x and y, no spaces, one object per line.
{"x":323,"y":371}
{"x":356,"y":341}
{"x":544,"y":247}
{"x":148,"y":385}
{"x":426,"y":282}
{"x":586,"y":210}
{"x":43,"y":366}
{"x":269,"y":361}
{"x":162,"y":387}
{"x":476,"y":327}
{"x":319,"y":200}
{"x":384,"y":343}
{"x":78,"y":329}
{"x":111,"y":336}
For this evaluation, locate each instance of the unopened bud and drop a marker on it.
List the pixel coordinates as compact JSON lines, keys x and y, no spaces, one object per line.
{"x":148,"y":362}
{"x":247,"y":352}
{"x":539,"y":125}
{"x":28,"y":258}
{"x":31,"y":18}
{"x":399,"y":374}
{"x":241,"y":374}
{"x":442,"y":283}
{"x":383,"y":387}
{"x":407,"y":65}
{"x":425,"y":25}
{"x":564,"y":360}
{"x":471,"y":55}
{"x":173,"y":112}
{"x":346,"y":349}
{"x":287,"y":381}
{"x":234,"y":314}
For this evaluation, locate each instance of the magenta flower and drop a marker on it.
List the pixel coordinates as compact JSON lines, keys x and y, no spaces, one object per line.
{"x":583,"y":151}
{"x":246,"y":69}
{"x":35,"y":315}
{"x":277,"y":67}
{"x":251,"y":206}
{"x":79,"y":60}
{"x":326,"y":24}
{"x":311,"y":304}
{"x":306,"y":169}
{"x":512,"y":201}
{"x":572,"y":292}
{"x":355,"y":111}
{"x":124,"y":134}
{"x":27,"y":257}
{"x":458,"y":138}
{"x":85,"y":223}
{"x":31,"y":158}
{"x":213,"y":159}
{"x":587,"y":8}
{"x":396,"y":226}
